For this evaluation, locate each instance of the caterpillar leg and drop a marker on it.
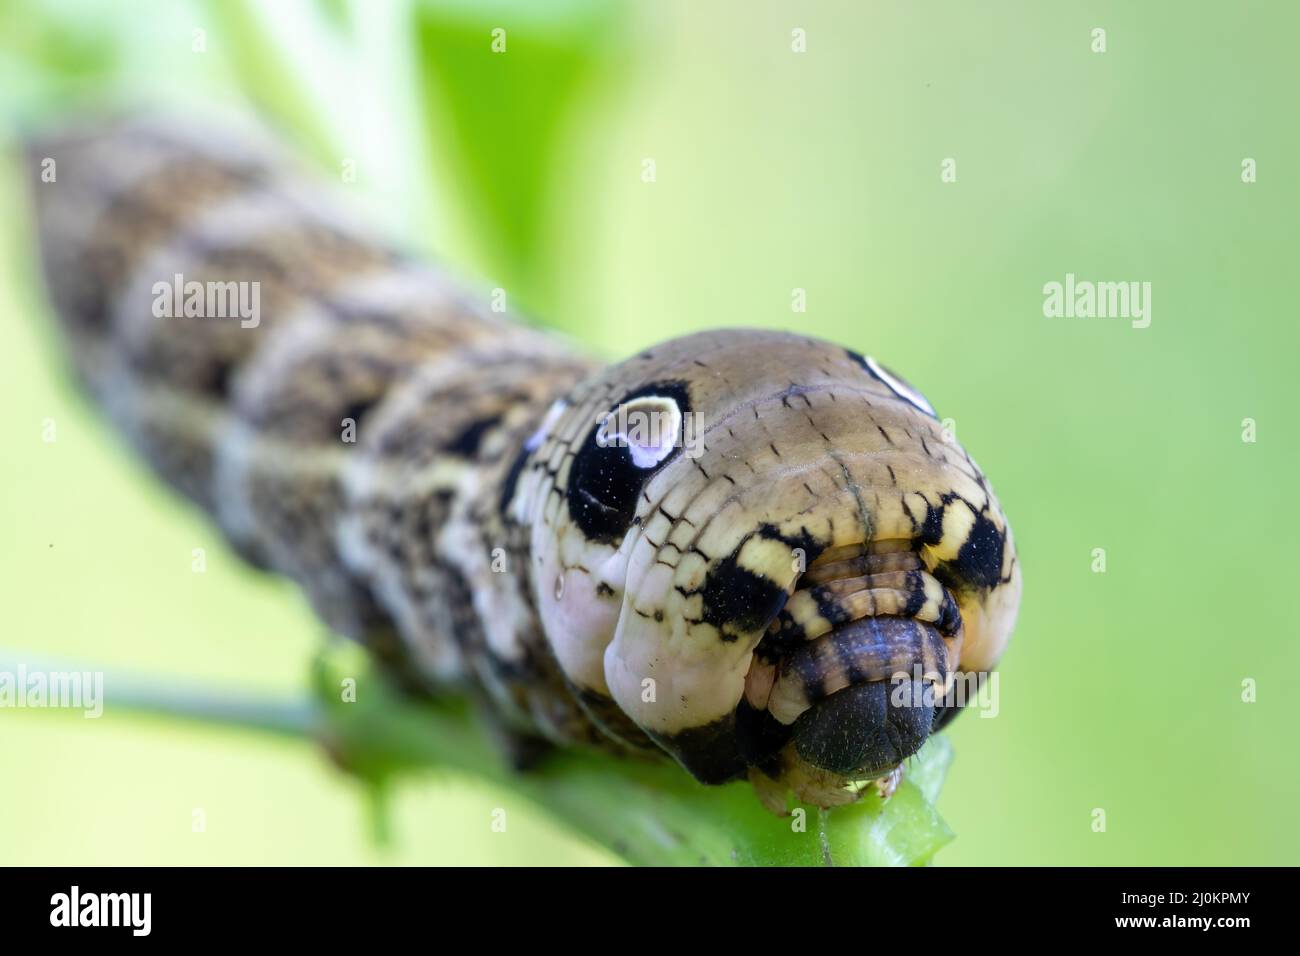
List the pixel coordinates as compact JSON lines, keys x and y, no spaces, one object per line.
{"x":888,"y":784}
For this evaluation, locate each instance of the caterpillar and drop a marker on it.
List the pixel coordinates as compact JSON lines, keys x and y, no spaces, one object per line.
{"x":754,"y":552}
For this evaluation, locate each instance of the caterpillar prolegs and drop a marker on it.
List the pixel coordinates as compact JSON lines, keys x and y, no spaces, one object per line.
{"x":756,"y":552}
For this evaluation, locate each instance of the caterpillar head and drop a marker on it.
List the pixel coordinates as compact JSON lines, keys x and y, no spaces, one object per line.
{"x":762,"y":552}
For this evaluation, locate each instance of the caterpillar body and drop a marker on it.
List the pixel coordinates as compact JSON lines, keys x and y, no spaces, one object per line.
{"x":735,"y":548}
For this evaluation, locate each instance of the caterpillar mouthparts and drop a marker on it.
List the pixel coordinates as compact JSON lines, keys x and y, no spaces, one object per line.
{"x":851,"y":671}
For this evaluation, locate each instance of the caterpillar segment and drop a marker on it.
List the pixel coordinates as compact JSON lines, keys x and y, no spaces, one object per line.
{"x":754,"y":552}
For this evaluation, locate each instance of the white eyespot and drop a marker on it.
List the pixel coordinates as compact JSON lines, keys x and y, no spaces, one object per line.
{"x":649,"y":427}
{"x":899,"y":387}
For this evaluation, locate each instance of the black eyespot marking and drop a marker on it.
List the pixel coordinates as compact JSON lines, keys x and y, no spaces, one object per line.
{"x":604,"y":482}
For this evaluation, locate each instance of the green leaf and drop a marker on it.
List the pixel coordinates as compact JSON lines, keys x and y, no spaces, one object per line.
{"x":496,"y":116}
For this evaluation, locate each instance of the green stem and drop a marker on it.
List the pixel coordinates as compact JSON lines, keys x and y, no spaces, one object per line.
{"x":646,"y":813}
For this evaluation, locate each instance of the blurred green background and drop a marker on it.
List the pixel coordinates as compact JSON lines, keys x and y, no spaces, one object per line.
{"x":775,"y":170}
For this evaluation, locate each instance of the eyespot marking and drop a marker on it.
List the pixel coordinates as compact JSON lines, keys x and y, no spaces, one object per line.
{"x":649,"y":426}
{"x":606,"y":479}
